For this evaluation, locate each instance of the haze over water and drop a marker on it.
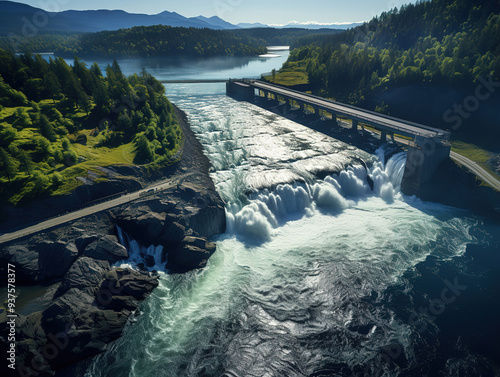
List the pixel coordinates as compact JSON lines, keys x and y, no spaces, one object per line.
{"x":311,"y":277}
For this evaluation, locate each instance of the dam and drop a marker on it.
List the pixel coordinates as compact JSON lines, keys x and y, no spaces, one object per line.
{"x":427,"y":150}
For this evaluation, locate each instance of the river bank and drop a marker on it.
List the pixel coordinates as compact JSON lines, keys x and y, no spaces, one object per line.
{"x":87,"y":295}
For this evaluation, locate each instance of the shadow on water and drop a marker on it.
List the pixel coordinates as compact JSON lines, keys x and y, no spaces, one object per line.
{"x":452,"y":308}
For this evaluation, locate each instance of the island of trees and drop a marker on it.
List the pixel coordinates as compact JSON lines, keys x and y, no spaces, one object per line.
{"x":159,"y":40}
{"x":60,"y":122}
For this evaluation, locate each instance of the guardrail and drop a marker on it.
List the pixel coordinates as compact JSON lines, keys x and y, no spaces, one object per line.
{"x":326,"y":102}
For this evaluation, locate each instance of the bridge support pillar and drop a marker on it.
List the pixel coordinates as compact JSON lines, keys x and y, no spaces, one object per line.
{"x":288,"y":106}
{"x":423,"y":159}
{"x":354,"y":125}
{"x":383,"y":136}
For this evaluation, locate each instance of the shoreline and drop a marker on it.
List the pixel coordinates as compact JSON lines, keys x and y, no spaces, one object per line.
{"x":87,"y":301}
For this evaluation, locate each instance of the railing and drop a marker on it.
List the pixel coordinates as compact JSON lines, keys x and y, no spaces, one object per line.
{"x":444,"y":134}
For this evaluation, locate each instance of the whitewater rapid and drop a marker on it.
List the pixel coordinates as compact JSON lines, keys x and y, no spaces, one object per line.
{"x":297,"y":281}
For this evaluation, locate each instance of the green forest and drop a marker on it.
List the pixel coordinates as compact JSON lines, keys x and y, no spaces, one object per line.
{"x":160,"y":41}
{"x":442,"y":42}
{"x":60,"y":122}
{"x":140,"y":41}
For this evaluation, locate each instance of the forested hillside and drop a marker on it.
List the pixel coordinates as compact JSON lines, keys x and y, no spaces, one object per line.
{"x":160,"y":41}
{"x":59,"y":122}
{"x":440,"y":43}
{"x":140,"y":41}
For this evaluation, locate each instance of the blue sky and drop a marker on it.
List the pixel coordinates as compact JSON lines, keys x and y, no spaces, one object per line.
{"x":236,"y":11}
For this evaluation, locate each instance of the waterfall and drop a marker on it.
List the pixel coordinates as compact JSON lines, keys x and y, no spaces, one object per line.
{"x":269,"y":210}
{"x":138,"y":254}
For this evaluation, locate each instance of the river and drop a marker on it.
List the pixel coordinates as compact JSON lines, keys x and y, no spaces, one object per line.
{"x":314,"y":277}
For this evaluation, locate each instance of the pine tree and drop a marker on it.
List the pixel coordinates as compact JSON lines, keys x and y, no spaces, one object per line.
{"x":46,"y":128}
{"x":9,"y":164}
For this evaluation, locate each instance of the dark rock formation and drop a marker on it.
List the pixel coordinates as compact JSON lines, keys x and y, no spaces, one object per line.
{"x":26,"y":261}
{"x":106,"y":248}
{"x":86,"y":274}
{"x":192,"y":251}
{"x":184,"y":213}
{"x":55,"y":258}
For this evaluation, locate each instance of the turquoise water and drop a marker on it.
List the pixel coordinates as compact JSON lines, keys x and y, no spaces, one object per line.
{"x":315,"y":278}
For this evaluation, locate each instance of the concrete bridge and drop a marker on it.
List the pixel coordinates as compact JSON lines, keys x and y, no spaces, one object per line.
{"x":430,"y":146}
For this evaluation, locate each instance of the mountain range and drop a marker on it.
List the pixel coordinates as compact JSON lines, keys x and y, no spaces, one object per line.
{"x":21,"y":19}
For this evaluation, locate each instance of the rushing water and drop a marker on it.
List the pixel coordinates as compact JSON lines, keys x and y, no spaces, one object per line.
{"x":313,"y":277}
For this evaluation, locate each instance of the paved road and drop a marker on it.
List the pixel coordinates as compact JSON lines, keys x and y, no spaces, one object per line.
{"x":481,"y":173}
{"x":394,"y":124}
{"x":72,"y":216}
{"x":191,"y":81}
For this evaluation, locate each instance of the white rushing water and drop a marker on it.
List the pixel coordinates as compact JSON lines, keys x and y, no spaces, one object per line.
{"x":295,"y":281}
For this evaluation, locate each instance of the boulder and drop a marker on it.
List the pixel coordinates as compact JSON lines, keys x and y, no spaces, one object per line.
{"x":147,"y":220}
{"x":85,"y":240}
{"x":25,"y":261}
{"x":173,"y":233}
{"x":206,"y":221}
{"x":191,"y":253}
{"x":126,"y":282}
{"x":149,"y":260}
{"x":55,"y":258}
{"x":106,"y":248}
{"x":86,"y":274}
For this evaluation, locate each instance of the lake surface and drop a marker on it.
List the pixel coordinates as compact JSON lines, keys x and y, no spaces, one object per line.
{"x":216,"y":68}
{"x":320,"y":278}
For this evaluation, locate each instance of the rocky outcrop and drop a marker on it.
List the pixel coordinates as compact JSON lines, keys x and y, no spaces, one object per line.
{"x":26,"y":261}
{"x":86,"y":274}
{"x":55,"y":258}
{"x":192,"y":251}
{"x":89,"y":309}
{"x":106,"y":248}
{"x":181,"y":220}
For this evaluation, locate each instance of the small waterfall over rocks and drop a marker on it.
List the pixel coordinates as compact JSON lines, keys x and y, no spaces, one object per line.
{"x":148,"y":258}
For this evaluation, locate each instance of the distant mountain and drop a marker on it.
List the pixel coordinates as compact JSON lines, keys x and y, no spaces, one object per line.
{"x":21,"y":19}
{"x":252,"y":26}
{"x":24,"y":20}
{"x":217,"y":22}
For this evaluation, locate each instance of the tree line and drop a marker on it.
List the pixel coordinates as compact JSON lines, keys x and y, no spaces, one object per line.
{"x":140,"y":41}
{"x":160,"y":41}
{"x":441,"y":42}
{"x":48,"y":107}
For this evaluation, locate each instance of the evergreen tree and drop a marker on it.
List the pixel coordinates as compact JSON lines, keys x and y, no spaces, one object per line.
{"x":46,"y":128}
{"x":9,"y":164}
{"x":25,"y":160}
{"x":144,"y":153}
